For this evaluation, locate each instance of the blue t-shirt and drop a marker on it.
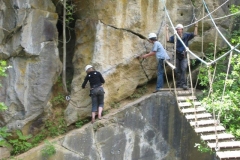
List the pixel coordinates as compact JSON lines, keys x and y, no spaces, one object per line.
{"x":160,"y":51}
{"x":185,"y":38}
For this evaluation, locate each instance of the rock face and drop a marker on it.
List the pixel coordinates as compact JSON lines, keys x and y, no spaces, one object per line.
{"x":29,"y":44}
{"x":109,"y":35}
{"x":150,"y":128}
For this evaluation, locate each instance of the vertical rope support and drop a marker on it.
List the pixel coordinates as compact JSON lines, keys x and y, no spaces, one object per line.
{"x":211,"y":79}
{"x":175,"y":49}
{"x":216,"y":134}
{"x":203,"y":11}
{"x":164,"y":65}
{"x":175,"y":89}
{"x":190,"y":75}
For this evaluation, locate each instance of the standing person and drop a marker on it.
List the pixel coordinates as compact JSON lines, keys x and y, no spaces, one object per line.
{"x":96,"y":92}
{"x":181,"y":54}
{"x":161,"y":55}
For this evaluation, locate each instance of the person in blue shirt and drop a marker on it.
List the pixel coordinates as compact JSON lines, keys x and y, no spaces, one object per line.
{"x":181,"y":54}
{"x":96,"y":90}
{"x":161,"y":55}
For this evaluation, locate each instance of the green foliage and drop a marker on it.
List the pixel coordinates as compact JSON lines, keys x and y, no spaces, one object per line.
{"x":80,"y":123}
{"x":2,"y":106}
{"x":139,"y":92}
{"x":39,"y":137}
{"x":4,"y":134}
{"x":70,"y":10}
{"x":234,"y":9}
{"x":48,"y":149}
{"x":115,"y":105}
{"x":105,"y":112}
{"x":3,"y":68}
{"x":21,"y":143}
{"x":202,"y":147}
{"x":225,"y":105}
{"x":59,"y":99}
{"x":235,"y":37}
{"x":56,"y":127}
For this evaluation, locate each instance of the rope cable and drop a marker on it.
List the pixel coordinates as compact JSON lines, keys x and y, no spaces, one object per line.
{"x":175,"y":32}
{"x":218,"y":29}
{"x":207,"y":14}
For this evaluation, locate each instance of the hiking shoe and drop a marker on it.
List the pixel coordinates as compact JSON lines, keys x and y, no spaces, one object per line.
{"x":156,"y":91}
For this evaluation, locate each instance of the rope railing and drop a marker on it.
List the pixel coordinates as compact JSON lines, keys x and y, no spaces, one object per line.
{"x":218,"y":29}
{"x":207,"y":14}
{"x":175,"y":33}
{"x":170,"y":64}
{"x":208,"y":64}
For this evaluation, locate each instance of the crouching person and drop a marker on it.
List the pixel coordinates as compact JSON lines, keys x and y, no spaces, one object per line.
{"x":96,"y":90}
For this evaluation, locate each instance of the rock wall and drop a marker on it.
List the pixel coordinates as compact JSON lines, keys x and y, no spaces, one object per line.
{"x":150,"y":128}
{"x":109,"y":34}
{"x":29,"y":44}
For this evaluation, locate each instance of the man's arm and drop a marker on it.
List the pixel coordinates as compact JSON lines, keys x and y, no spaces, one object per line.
{"x":149,"y":54}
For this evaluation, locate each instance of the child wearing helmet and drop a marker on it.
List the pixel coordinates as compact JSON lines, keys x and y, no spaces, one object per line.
{"x":96,"y":90}
{"x":161,"y":55}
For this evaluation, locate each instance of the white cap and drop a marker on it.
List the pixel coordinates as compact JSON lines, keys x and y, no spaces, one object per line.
{"x":87,"y":67}
{"x":179,"y":26}
{"x":152,"y":35}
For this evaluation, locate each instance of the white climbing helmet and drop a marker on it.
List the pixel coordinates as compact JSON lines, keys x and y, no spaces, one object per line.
{"x":87,"y":67}
{"x":152,"y":35}
{"x":179,"y":26}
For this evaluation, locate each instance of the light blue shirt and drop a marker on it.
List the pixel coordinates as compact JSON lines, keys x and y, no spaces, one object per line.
{"x":160,"y":51}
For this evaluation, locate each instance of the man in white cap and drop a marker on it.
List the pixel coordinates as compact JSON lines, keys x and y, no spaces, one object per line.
{"x":161,"y":55}
{"x":181,"y":54}
{"x":96,"y":90}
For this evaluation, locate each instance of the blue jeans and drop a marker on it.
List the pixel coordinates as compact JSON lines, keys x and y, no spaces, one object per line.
{"x":181,"y":69}
{"x":160,"y":71}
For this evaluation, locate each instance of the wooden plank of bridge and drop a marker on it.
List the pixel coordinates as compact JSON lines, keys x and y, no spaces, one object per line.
{"x":209,"y":129}
{"x":228,"y":154}
{"x":184,"y":92}
{"x":199,"y":116}
{"x":220,"y":136}
{"x":230,"y":144}
{"x":203,"y":122}
{"x":191,"y":110}
{"x":185,"y":98}
{"x":188,"y":104}
{"x":185,"y":95}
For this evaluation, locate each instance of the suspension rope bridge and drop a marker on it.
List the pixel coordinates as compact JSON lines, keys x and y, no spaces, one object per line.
{"x":210,"y":129}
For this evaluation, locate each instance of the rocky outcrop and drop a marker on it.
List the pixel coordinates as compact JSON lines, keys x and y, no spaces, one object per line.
{"x":150,"y":128}
{"x":111,"y":34}
{"x":29,"y":40}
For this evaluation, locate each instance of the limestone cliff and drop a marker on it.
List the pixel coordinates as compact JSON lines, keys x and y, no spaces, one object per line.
{"x":110,"y":34}
{"x":151,"y":128}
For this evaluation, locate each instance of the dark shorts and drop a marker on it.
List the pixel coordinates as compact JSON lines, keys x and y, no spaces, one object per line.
{"x":97,"y":95}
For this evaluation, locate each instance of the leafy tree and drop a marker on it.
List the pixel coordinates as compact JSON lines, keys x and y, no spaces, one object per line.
{"x":226,"y":102}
